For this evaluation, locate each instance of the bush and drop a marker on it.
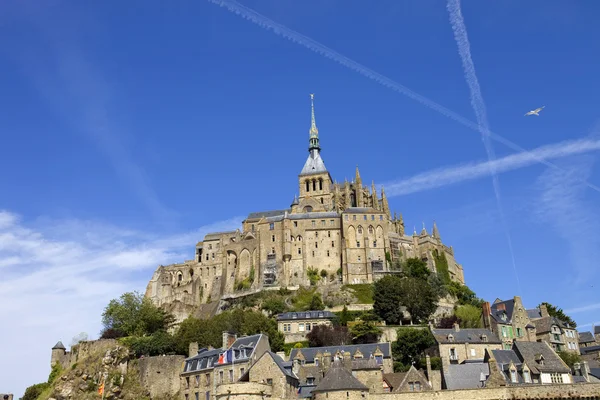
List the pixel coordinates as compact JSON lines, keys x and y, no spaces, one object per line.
{"x":313,"y":276}
{"x":54,"y":372}
{"x":323,"y":274}
{"x":34,"y":391}
{"x":154,"y":345}
{"x":111,"y":333}
{"x":323,"y":335}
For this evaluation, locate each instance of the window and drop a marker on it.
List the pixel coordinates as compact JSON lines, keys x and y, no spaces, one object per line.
{"x":252,"y":227}
{"x":526,"y":376}
{"x":230,"y":375}
{"x":299,"y":250}
{"x":346,"y":217}
{"x":271,"y":226}
{"x":220,"y":376}
{"x":372,"y":218}
{"x":212,"y":255}
{"x":308,"y":186}
{"x":321,"y":200}
{"x":197,"y":380}
{"x":513,"y":376}
{"x":269,"y":381}
{"x":332,"y":243}
{"x":301,"y":327}
{"x":365,"y":217}
{"x":207,"y":395}
{"x":316,"y":245}
{"x":328,"y":233}
{"x":197,"y":396}
{"x":453,"y":355}
{"x":310,"y":380}
{"x":314,"y":184}
{"x":411,"y":386}
{"x":308,"y":327}
{"x":358,"y":258}
{"x":210,"y":246}
{"x":331,"y":222}
{"x":272,"y":238}
{"x":379,"y":359}
{"x":187,"y":396}
{"x":313,"y":253}
{"x":323,"y":222}
{"x":206,"y":256}
{"x":381,"y":217}
{"x":556,"y":337}
{"x":327,"y":253}
{"x":295,"y":224}
{"x":317,"y":234}
{"x":556,"y":378}
{"x":354,"y":218}
{"x":359,"y":230}
{"x":519,"y":332}
{"x":484,"y":338}
{"x":473,"y":353}
{"x":370,"y":230}
{"x":374,"y":243}
{"x":504,"y":331}
{"x":357,"y":244}
{"x":316,"y":362}
{"x":272,"y":250}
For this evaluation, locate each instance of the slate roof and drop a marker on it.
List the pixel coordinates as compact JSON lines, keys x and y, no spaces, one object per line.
{"x":59,"y":345}
{"x":364,"y":364}
{"x":544,"y":325}
{"x":314,"y":215}
{"x":590,"y":349}
{"x":217,"y":235}
{"x":395,"y":379}
{"x":362,"y":210}
{"x":305,"y":315}
{"x":597,"y":330}
{"x":286,"y":368}
{"x":305,"y":392}
{"x":366,"y":350}
{"x":505,"y":357}
{"x":534,"y":313}
{"x":338,"y":378}
{"x":465,"y":376}
{"x":464,"y":336}
{"x":243,"y":349}
{"x":314,"y":164}
{"x":530,"y":351}
{"x":586,"y":337}
{"x":496,"y":313}
{"x":267,"y":214}
{"x":595,"y":372}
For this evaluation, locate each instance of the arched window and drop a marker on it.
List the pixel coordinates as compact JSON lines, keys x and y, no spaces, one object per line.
{"x":299,"y":238}
{"x":308,"y":209}
{"x":314,"y":184}
{"x":359,"y":230}
{"x":307,"y":185}
{"x":370,"y":230}
{"x":321,"y":200}
{"x":320,"y":184}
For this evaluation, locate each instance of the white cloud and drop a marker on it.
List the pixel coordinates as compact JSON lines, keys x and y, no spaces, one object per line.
{"x":455,"y":174}
{"x":589,"y":307}
{"x":57,"y":277}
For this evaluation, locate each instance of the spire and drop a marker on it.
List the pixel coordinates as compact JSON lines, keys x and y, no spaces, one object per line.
{"x":314,"y":132}
{"x":357,"y":179}
{"x":414,"y":230}
{"x":384,"y":202}
{"x":424,"y":231}
{"x":374,"y":193}
{"x":436,"y":233}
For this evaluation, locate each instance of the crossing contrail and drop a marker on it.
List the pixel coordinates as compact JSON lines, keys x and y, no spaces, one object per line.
{"x":464,"y":50}
{"x":287,"y":33}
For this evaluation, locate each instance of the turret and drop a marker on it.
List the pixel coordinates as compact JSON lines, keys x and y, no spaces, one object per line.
{"x":58,"y":353}
{"x":384,"y":202}
{"x":424,"y":231}
{"x":347,"y":192}
{"x":375,"y":202}
{"x":436,"y":233}
{"x":358,"y":189}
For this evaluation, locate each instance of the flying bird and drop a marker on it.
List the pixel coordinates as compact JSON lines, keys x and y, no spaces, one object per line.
{"x":535,"y":112}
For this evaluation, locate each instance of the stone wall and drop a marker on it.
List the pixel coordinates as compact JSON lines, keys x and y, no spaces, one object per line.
{"x":244,"y":391}
{"x":160,"y":375}
{"x":80,"y":351}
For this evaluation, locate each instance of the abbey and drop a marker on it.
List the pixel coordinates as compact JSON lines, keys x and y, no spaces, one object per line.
{"x":345,"y":229}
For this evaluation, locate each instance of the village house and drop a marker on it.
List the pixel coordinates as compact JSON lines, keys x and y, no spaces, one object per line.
{"x":509,"y":321}
{"x":296,"y":325}
{"x":586,"y":339}
{"x":559,"y":334}
{"x":456,"y":345}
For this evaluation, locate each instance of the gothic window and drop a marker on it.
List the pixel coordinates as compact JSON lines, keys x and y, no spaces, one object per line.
{"x":314,"y":184}
{"x":308,"y":186}
{"x":381,"y":217}
{"x":320,"y":184}
{"x":370,"y":229}
{"x":299,"y":238}
{"x":359,"y":230}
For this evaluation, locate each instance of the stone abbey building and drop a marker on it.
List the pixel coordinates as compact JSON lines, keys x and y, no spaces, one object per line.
{"x":346,"y":229}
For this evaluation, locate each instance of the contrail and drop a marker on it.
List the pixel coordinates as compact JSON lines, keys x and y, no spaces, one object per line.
{"x":287,"y":33}
{"x":466,"y":172}
{"x":464,"y":50}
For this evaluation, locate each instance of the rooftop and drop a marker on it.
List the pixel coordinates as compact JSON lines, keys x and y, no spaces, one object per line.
{"x":367,"y":350}
{"x":540,"y":357}
{"x":586,"y":337}
{"x":314,"y":164}
{"x":465,"y":336}
{"x":305,"y":315}
{"x":338,"y":378}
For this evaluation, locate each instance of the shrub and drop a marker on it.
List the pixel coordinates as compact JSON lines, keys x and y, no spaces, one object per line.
{"x":323,"y":274}
{"x":34,"y":391}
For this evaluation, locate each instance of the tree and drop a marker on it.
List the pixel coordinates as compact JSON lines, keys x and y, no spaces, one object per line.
{"x":154,"y":345}
{"x":411,"y":345}
{"x":274,"y":306}
{"x":82,"y":337}
{"x":365,"y":332}
{"x":469,"y":316}
{"x":416,"y":268}
{"x":559,"y":313}
{"x":316,"y":303}
{"x":34,"y":391}
{"x":569,"y":357}
{"x":323,"y":335}
{"x":448,"y":322}
{"x":387,"y":296}
{"x":464,"y":295}
{"x":344,"y":316}
{"x":418,"y":298}
{"x":135,"y":315}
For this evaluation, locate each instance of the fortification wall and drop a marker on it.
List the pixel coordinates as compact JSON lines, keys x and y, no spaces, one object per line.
{"x":244,"y":391}
{"x":160,"y":375}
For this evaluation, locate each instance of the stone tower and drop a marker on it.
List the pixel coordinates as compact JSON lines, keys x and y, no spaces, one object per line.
{"x":59,"y":352}
{"x":314,"y":179}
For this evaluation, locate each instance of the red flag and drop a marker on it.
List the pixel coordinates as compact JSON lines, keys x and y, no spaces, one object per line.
{"x":221,"y":358}
{"x":101,"y":389}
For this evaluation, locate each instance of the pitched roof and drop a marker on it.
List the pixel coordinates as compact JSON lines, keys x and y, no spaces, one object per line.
{"x":505,"y":357}
{"x":501,"y":307}
{"x":465,"y":336}
{"x":305,"y":315}
{"x":530,"y":352}
{"x":366,"y":349}
{"x":314,"y":164}
{"x":589,"y":349}
{"x":286,"y":369}
{"x":466,"y":376}
{"x":365,"y":363}
{"x":59,"y":345}
{"x":534,"y":313}
{"x":267,"y":214}
{"x":338,"y":378}
{"x":243,"y":349}
{"x":586,"y":337}
{"x":217,"y":235}
{"x":395,"y":379}
{"x":597,"y":330}
{"x":544,"y":325}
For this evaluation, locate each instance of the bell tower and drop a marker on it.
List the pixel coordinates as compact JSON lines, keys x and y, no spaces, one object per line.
{"x":314,"y":179}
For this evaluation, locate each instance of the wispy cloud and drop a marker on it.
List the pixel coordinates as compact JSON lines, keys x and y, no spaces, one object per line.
{"x":316,"y":47}
{"x":57,"y":278}
{"x":464,"y":50}
{"x":466,"y":172}
{"x":588,"y":325}
{"x":589,"y":307}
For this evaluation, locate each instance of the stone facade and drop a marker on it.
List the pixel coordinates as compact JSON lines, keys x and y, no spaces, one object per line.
{"x":79,"y":351}
{"x":509,"y":320}
{"x":296,"y":325}
{"x":458,"y":345}
{"x":345,"y":229}
{"x":269,"y":370}
{"x":160,"y":375}
{"x":560,"y":335}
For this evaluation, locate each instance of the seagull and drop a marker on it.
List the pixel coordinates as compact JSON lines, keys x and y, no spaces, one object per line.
{"x":535,"y":112}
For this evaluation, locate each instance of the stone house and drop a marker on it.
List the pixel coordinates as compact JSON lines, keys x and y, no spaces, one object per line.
{"x":412,"y":380}
{"x":208,"y":368}
{"x":509,"y":321}
{"x":296,"y":325}
{"x":560,"y":335}
{"x":597,"y":333}
{"x":456,"y":346}
{"x":270,"y":369}
{"x":586,"y":339}
{"x":545,"y":366}
{"x":339,"y":383}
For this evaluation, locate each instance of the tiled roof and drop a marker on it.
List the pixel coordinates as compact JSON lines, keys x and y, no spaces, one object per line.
{"x":530,"y":353}
{"x":544,"y":325}
{"x":305,"y":315}
{"x":366,"y":349}
{"x":586,"y":337}
{"x":314,"y":164}
{"x":466,"y":376}
{"x":365,"y":363}
{"x":505,"y":357}
{"x":464,"y":336}
{"x":266,"y":214}
{"x":338,"y":378}
{"x":590,"y":349}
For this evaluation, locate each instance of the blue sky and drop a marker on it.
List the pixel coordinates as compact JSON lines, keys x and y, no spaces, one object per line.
{"x":129,"y":130}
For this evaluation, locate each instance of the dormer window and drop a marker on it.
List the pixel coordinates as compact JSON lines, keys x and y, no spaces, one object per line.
{"x":484,"y":338}
{"x":451,"y":338}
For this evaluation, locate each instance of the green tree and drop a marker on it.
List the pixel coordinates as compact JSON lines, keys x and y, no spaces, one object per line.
{"x":135,"y":315}
{"x":416,"y":268}
{"x":344,"y":316}
{"x":154,"y":345}
{"x":316,"y":303}
{"x":464,"y":295}
{"x":469,"y":316}
{"x":569,"y":357}
{"x":410,"y":346}
{"x":274,"y":306}
{"x":559,"y":313}
{"x":387,"y":296}
{"x":323,"y":335}
{"x":365,"y":332}
{"x":34,"y":391}
{"x":418,"y":298}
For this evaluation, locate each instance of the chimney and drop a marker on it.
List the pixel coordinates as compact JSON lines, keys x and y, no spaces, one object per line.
{"x":487,"y":311}
{"x":501,"y":307}
{"x":456,"y":327}
{"x":193,"y":349}
{"x":544,"y":310}
{"x":585,"y":370}
{"x":228,"y":339}
{"x":428,"y":361}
